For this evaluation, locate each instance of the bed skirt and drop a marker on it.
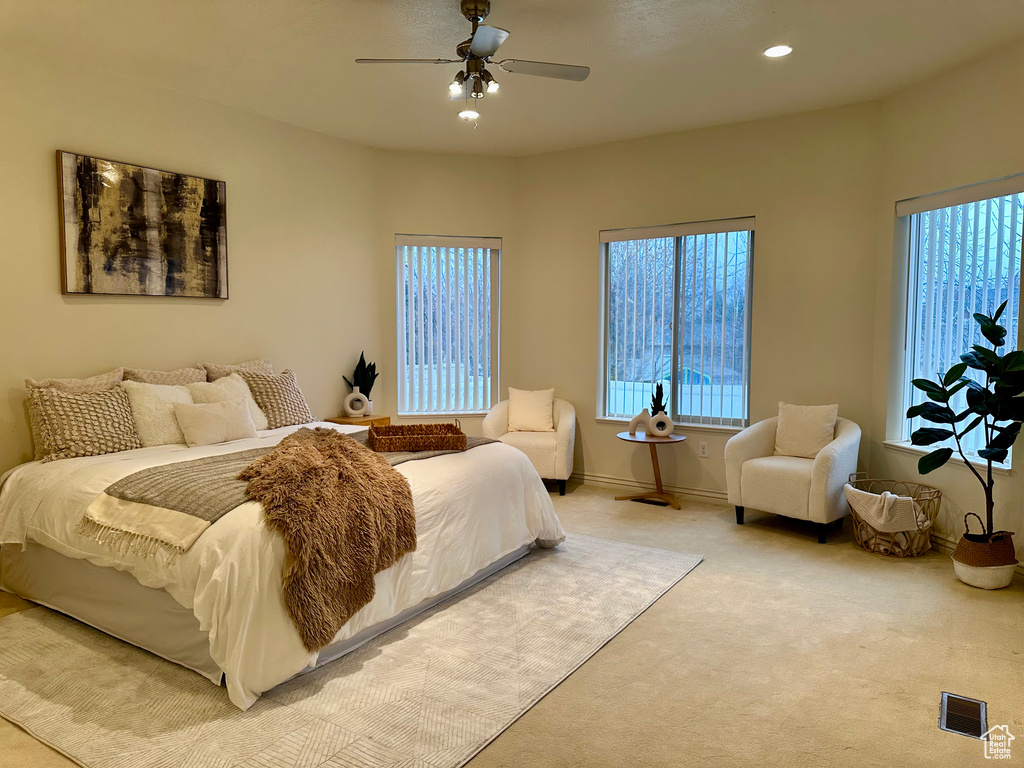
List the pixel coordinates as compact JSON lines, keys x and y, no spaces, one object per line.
{"x":114,"y":602}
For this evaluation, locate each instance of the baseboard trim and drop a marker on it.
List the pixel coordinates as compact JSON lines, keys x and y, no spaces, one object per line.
{"x":696,"y":494}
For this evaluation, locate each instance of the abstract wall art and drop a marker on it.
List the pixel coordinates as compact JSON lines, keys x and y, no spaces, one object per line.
{"x":134,"y":231}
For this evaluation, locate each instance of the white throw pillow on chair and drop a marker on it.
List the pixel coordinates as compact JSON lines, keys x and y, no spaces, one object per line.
{"x":531,"y":410}
{"x":803,"y":430}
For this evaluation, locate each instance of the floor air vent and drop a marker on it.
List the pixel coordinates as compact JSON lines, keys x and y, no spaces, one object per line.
{"x":958,"y":714}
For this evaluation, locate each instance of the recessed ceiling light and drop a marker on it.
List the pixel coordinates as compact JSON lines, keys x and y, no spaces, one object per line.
{"x":777,"y":51}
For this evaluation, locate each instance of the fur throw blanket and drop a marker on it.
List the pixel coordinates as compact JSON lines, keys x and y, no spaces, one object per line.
{"x":345,"y":514}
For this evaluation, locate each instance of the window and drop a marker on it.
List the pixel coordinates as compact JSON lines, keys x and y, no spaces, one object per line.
{"x":964,"y":257}
{"x":677,"y":311}
{"x":447,"y":323}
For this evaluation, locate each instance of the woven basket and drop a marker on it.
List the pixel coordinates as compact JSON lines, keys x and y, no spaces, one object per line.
{"x":417,"y":437}
{"x":901,"y":543}
{"x":981,"y":551}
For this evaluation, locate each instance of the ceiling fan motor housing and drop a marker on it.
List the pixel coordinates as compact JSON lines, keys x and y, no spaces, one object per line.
{"x":476,"y":10}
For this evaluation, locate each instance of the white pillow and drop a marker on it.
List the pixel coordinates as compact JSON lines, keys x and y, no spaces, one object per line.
{"x":153,"y":411}
{"x":232,"y":387}
{"x":531,"y":410}
{"x":209,"y":423}
{"x":804,"y":430}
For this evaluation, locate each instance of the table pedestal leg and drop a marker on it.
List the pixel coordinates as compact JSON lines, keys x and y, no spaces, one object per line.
{"x":658,"y":494}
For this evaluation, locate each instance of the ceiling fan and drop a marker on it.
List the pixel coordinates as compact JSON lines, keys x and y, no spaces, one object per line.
{"x":474,"y":81}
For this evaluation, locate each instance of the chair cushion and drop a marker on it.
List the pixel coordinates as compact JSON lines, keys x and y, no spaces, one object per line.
{"x":539,"y":447}
{"x":803,"y":430}
{"x":778,"y":484}
{"x":531,"y":410}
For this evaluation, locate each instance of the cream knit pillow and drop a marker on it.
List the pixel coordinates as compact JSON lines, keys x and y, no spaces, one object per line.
{"x":179,"y":376}
{"x":153,"y":411}
{"x":216,"y":371}
{"x":230,"y":387}
{"x":531,"y":410}
{"x":803,"y":430}
{"x":209,"y":423}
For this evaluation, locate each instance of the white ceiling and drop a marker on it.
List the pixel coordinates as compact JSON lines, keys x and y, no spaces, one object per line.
{"x":657,"y":65}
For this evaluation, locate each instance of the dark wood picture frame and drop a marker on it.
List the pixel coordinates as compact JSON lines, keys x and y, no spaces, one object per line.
{"x":132,"y":230}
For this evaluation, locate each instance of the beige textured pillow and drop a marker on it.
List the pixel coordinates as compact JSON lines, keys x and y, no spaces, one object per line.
{"x":209,"y":423}
{"x":153,"y":411}
{"x":231,"y":387}
{"x":75,"y":424}
{"x":279,"y":397}
{"x":99,"y":383}
{"x":531,"y":410}
{"x":177,"y":377}
{"x":216,"y":371}
{"x":804,"y":430}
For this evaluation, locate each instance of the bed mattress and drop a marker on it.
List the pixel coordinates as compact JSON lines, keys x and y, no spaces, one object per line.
{"x":472,"y":510}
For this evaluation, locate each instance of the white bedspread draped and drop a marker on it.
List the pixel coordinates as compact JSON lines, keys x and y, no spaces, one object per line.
{"x":471,"y":509}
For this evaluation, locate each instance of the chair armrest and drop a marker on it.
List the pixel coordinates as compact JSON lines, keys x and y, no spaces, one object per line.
{"x":495,"y":423}
{"x":831,"y":471}
{"x":564,"y":416}
{"x":754,"y":442}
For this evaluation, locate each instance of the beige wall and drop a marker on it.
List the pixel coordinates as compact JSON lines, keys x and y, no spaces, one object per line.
{"x":961,"y":127}
{"x":811,"y":181}
{"x":312,"y":223}
{"x":299,"y":224}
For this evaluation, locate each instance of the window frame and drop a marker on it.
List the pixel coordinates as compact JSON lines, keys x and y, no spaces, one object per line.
{"x":678,"y":232}
{"x":901,"y":392}
{"x":494,"y":247}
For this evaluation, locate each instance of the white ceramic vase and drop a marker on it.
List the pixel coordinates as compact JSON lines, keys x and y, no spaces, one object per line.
{"x":640,"y":420}
{"x":660,"y":425}
{"x":356,"y":403}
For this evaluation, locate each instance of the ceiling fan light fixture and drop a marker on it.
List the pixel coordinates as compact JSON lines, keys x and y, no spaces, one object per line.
{"x":478,"y":88}
{"x":492,"y":84}
{"x":456,"y":85}
{"x":777,"y":51}
{"x":469,"y":114}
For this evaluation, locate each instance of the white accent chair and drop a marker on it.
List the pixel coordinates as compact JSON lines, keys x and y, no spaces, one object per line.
{"x":549,"y":452}
{"x":807,"y":489}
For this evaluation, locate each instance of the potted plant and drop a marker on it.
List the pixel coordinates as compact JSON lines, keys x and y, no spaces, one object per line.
{"x":362,"y":380}
{"x":983,"y":559}
{"x":659,"y":424}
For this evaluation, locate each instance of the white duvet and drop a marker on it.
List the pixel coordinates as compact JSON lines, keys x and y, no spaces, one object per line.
{"x":471,"y":509}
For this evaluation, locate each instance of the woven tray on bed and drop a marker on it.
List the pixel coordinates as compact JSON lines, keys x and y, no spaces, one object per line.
{"x":417,"y":437}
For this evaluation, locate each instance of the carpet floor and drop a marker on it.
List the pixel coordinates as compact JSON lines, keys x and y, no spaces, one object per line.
{"x":776,"y":651}
{"x":431,"y":693}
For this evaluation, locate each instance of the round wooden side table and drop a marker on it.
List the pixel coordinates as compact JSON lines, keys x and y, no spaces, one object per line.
{"x":658,"y":494}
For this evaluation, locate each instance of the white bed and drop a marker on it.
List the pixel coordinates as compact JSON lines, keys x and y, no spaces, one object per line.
{"x":475,"y":511}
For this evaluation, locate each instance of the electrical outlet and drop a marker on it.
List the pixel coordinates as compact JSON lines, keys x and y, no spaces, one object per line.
{"x":703,"y":451}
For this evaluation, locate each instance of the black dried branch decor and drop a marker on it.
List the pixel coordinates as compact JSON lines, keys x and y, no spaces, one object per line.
{"x":995,"y":406}
{"x":658,"y":400}
{"x":363,"y":376}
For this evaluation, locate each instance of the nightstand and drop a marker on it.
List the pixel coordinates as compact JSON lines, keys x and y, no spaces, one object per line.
{"x":362,"y":421}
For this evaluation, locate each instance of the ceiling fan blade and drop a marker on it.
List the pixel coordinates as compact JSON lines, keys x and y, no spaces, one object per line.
{"x":487,"y":40}
{"x":545,"y":69}
{"x":408,"y":61}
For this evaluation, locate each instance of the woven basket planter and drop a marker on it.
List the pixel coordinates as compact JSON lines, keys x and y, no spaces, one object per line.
{"x":417,"y":437}
{"x":901,"y":543}
{"x":981,"y":551}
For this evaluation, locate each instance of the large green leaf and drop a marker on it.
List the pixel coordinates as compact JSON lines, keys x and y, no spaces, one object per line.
{"x":1013,"y":361}
{"x":929,"y":435}
{"x":979,"y":363}
{"x":999,"y":312}
{"x":940,"y":414}
{"x":993,"y":454}
{"x":955,"y":373}
{"x":1005,"y":438}
{"x":970,"y":426}
{"x":933,"y":460}
{"x":934,"y":391}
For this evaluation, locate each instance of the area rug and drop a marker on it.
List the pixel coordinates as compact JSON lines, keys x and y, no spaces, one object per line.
{"x":428,"y":694}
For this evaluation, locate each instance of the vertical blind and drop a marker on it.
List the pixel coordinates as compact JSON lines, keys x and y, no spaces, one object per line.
{"x":963,"y":259}
{"x":447,"y":323}
{"x":677,"y":309}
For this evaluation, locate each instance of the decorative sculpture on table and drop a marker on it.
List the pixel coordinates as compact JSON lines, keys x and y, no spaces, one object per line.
{"x":640,"y":420}
{"x":359,"y":403}
{"x":659,"y":425}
